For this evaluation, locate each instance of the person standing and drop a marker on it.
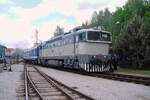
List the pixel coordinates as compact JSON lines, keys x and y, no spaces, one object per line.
{"x":10,"y":65}
{"x":114,"y":60}
{"x":5,"y":64}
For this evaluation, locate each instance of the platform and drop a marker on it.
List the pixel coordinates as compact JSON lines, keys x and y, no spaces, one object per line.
{"x":9,"y":82}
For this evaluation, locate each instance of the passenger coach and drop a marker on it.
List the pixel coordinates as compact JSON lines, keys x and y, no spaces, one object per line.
{"x":32,"y":55}
{"x":2,"y":53}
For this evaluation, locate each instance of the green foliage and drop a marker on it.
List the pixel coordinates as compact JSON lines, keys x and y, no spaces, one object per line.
{"x":130,"y":42}
{"x":102,"y":19}
{"x":130,"y":28}
{"x":133,"y":39}
{"x":94,"y":21}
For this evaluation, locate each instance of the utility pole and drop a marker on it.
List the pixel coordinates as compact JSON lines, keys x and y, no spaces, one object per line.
{"x":36,"y":37}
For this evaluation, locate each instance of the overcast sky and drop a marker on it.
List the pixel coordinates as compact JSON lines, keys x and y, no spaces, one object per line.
{"x":20,"y":18}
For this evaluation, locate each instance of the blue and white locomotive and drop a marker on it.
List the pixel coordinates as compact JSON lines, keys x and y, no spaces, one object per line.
{"x":86,"y":49}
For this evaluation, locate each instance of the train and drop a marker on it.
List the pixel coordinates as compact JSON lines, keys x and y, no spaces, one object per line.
{"x":2,"y":53}
{"x":86,"y":49}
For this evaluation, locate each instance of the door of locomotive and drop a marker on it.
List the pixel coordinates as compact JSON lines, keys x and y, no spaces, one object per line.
{"x":79,"y":39}
{"x":76,"y":45}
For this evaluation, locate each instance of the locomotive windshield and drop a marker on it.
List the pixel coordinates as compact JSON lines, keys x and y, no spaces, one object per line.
{"x":98,"y":36}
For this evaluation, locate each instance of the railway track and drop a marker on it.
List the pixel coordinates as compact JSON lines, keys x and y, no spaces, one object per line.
{"x":124,"y":77}
{"x":39,"y":86}
{"x":114,"y":76}
{"x":120,"y":77}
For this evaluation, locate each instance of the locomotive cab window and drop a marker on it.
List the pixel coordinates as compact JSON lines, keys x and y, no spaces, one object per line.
{"x":93,"y":35}
{"x":105,"y":37}
{"x":98,"y":36}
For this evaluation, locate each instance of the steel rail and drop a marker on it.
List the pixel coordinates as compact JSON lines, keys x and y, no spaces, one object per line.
{"x":79,"y":93}
{"x":143,"y":80}
{"x":26,"y":84}
{"x":59,"y":88}
{"x":33,"y":85}
{"x":52,"y":83}
{"x":55,"y":82}
{"x":123,"y":77}
{"x":130,"y":76}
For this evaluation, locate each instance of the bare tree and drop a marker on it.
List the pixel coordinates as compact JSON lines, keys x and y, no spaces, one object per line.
{"x":18,"y":54}
{"x":58,"y":31}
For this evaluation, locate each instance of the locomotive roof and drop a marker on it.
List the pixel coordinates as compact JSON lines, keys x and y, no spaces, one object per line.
{"x":90,"y":29}
{"x":73,"y":32}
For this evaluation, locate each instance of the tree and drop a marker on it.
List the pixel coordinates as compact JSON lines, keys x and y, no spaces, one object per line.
{"x":145,"y":32}
{"x":58,"y":31}
{"x":130,"y":42}
{"x":132,"y":39}
{"x":102,"y":19}
{"x":94,"y":20}
{"x":18,"y":54}
{"x":107,"y":20}
{"x":85,"y":25}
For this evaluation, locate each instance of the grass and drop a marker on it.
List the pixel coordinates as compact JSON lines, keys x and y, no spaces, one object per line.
{"x":134,"y":71}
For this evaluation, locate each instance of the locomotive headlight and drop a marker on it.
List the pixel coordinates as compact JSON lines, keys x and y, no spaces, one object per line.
{"x":93,"y":57}
{"x":104,"y":56}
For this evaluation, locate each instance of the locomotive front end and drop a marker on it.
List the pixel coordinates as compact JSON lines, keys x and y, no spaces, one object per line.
{"x":102,"y":57}
{"x":97,"y":47}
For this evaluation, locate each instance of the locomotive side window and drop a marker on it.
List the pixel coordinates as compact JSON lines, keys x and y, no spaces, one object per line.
{"x":82,"y":36}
